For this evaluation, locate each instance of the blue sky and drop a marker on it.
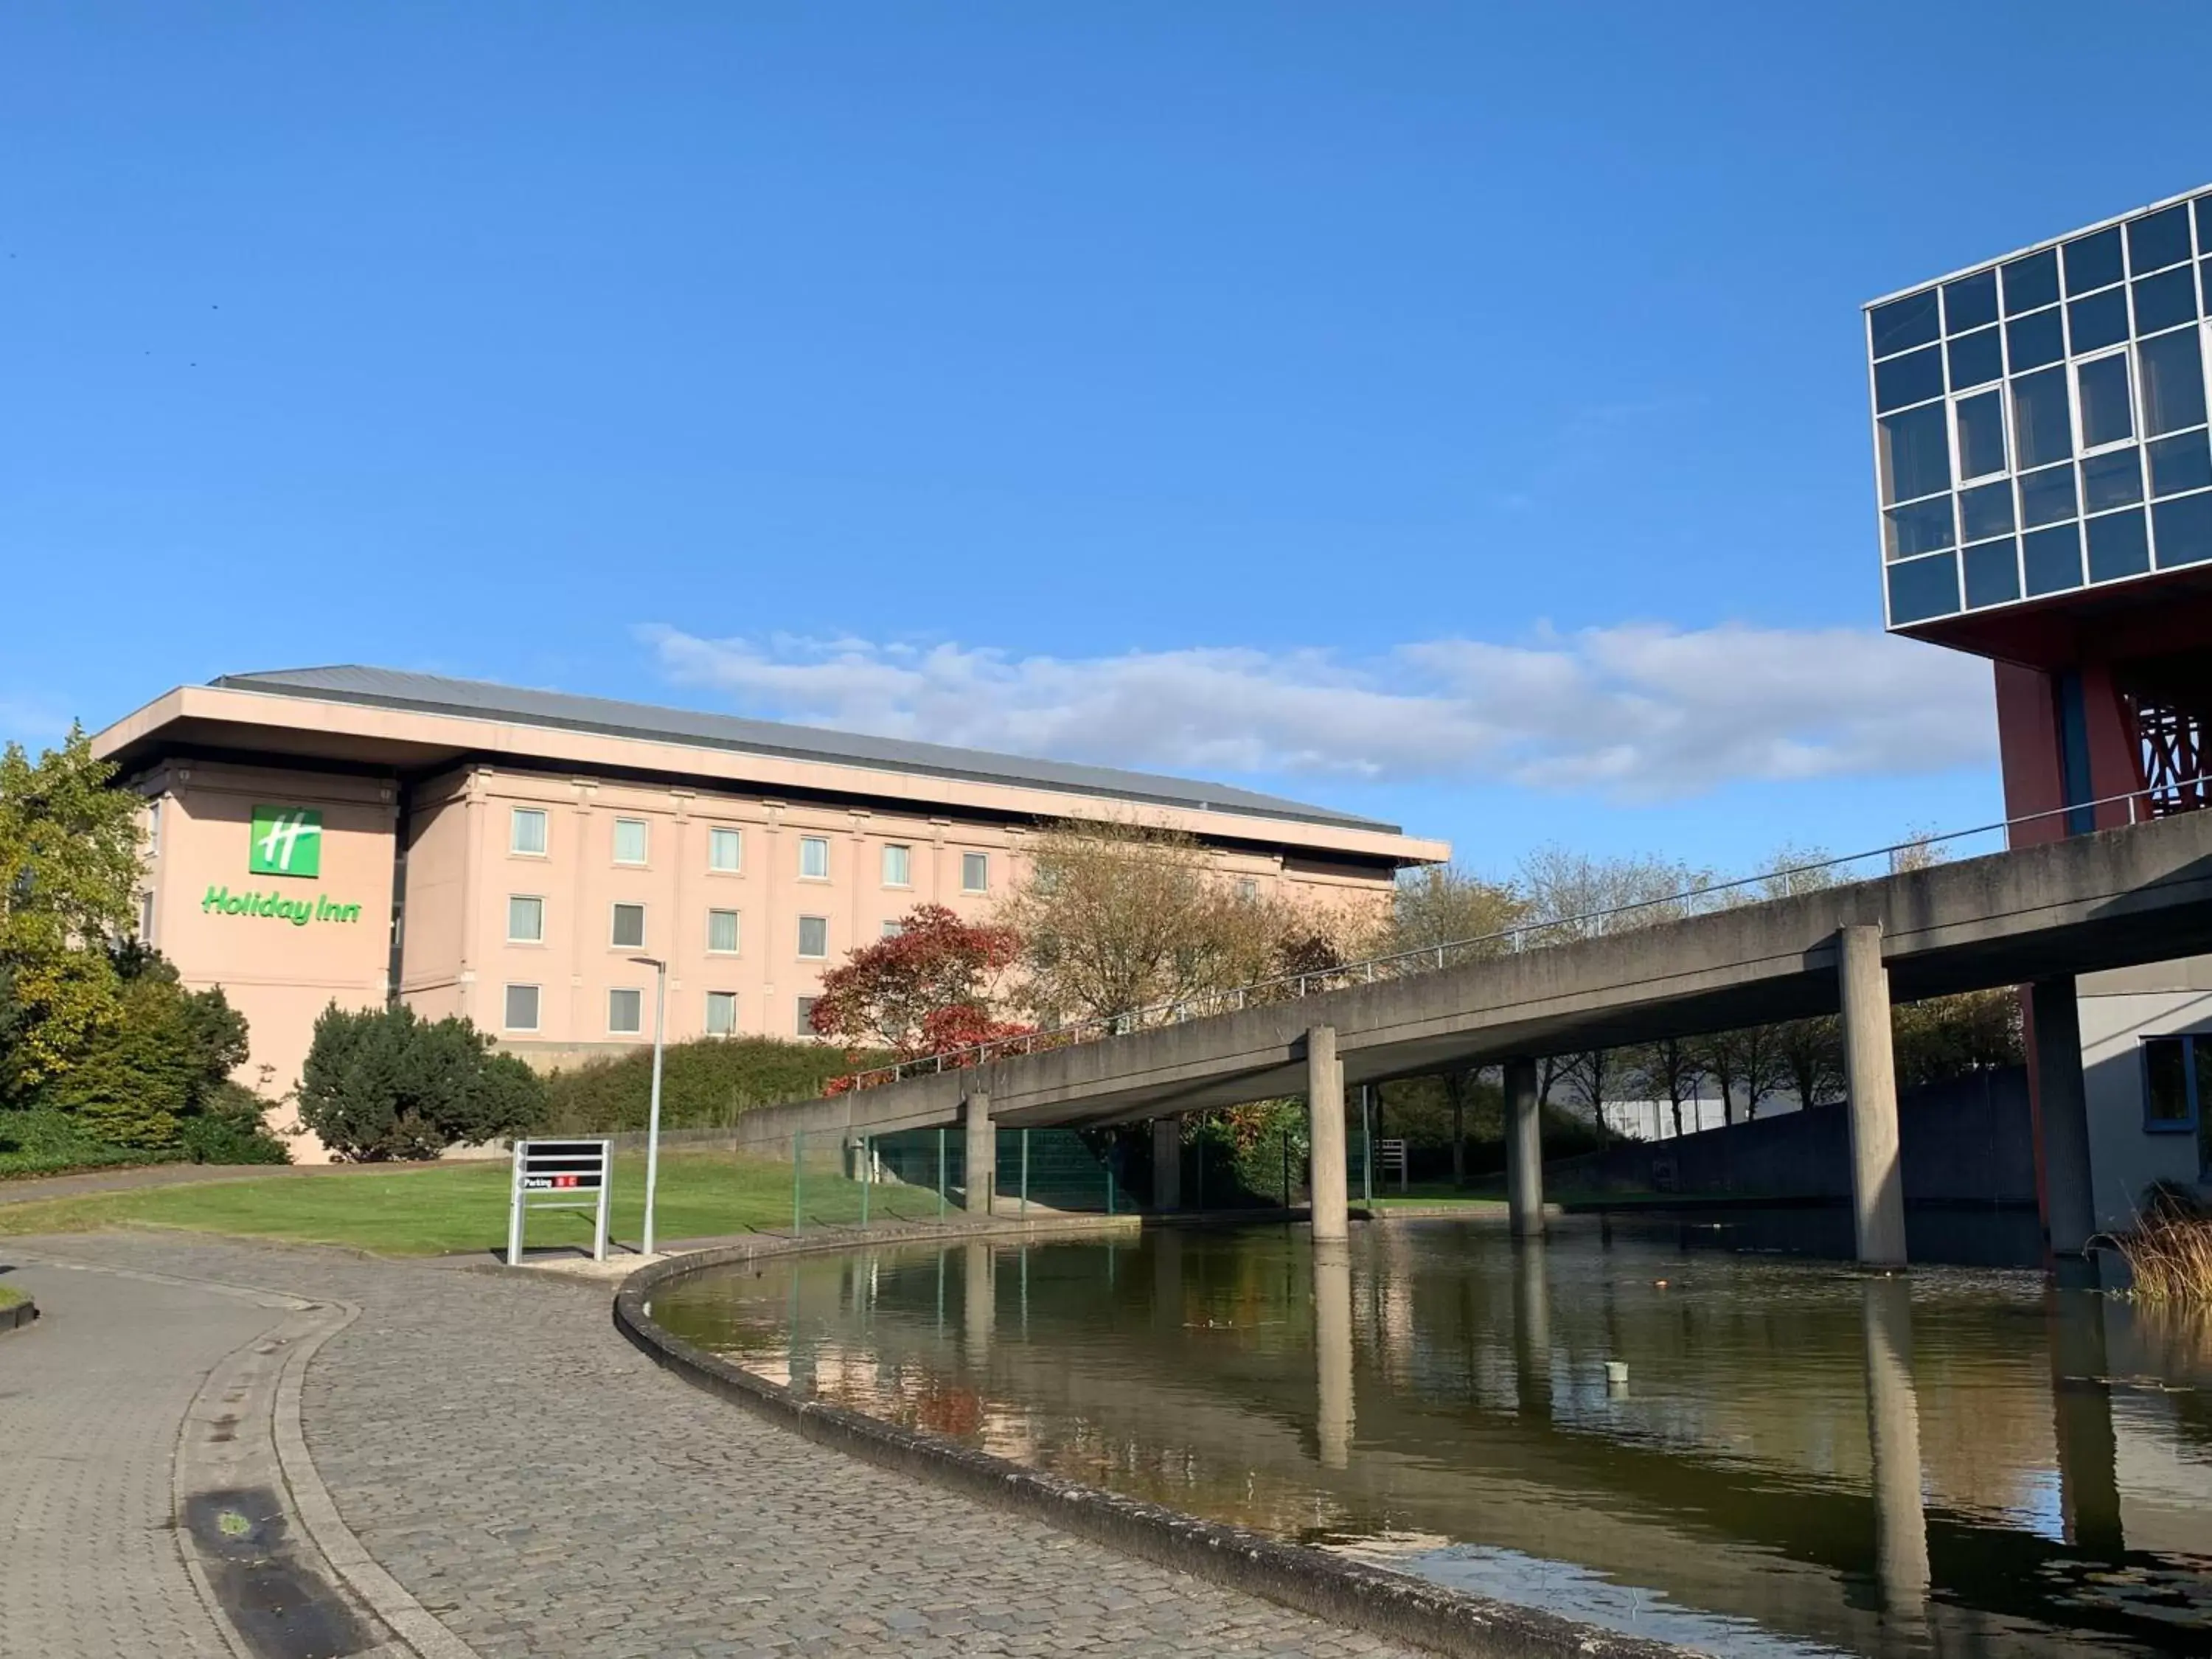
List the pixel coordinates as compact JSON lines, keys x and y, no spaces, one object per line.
{"x":1451,"y":412}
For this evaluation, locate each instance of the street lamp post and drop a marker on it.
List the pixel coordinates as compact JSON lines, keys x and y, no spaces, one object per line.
{"x":653,"y":1122}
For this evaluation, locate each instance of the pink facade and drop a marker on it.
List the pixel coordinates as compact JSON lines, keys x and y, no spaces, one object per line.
{"x":532,"y":864}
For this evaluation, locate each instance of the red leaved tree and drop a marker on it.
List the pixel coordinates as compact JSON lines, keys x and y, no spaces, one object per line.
{"x":929,"y":989}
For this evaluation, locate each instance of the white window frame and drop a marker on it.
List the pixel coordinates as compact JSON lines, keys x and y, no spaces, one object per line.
{"x":714,"y":832}
{"x":507,"y":1006}
{"x":644,"y":827}
{"x":146,"y":916}
{"x":893,"y":928}
{"x":1958,"y":478}
{"x":538,"y":899}
{"x":731,"y":999}
{"x":986,"y":858}
{"x":2125,"y":350}
{"x":804,"y":955}
{"x":515,"y":815}
{"x":614,"y":991}
{"x":805,"y":843}
{"x":614,"y":909}
{"x":737,"y":933}
{"x":153,"y":828}
{"x":906,"y":849}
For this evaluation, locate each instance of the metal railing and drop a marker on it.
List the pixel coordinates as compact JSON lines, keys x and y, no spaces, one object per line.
{"x":1433,"y":958}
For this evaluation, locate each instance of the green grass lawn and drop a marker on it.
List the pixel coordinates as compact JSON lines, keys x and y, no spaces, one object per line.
{"x":438,"y":1208}
{"x":8,"y":1299}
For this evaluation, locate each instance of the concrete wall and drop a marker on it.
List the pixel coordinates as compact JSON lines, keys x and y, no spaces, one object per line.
{"x":2119,"y":1011}
{"x":1967,"y":1141}
{"x":280,"y":974}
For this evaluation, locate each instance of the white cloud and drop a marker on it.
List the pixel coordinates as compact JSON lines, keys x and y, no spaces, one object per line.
{"x":1635,"y":713}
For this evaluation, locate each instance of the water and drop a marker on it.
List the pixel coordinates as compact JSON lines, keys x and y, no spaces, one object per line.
{"x":1802,"y":1461}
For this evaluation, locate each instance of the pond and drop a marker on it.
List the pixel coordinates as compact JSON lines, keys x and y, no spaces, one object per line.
{"x":1799,"y":1460}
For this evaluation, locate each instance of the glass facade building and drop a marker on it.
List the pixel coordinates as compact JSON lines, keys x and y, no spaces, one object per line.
{"x":2040,"y":421}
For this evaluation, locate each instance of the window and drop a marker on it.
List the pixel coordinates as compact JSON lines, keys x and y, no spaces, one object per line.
{"x":145,"y":918}
{"x":814,"y":936}
{"x":1247,"y":888}
{"x":974,"y":872}
{"x":627,"y":930}
{"x":1976,"y":359}
{"x":525,"y":831}
{"x":898,"y":867}
{"x":2098,"y":321}
{"x":2159,"y":240}
{"x":2177,"y":1082}
{"x":722,"y":932}
{"x":2166,"y":300}
{"x":1916,"y":454}
{"x":2107,"y":416}
{"x":1992,"y":574}
{"x":2093,"y":261}
{"x":2052,"y":559}
{"x":153,"y":828}
{"x":806,"y":1016}
{"x":722,"y":1014}
{"x":2046,"y":497}
{"x":1986,"y":511}
{"x":2180,"y":463}
{"x":2031,"y":282}
{"x":726,"y":849}
{"x":2119,"y":545}
{"x":2172,"y":383}
{"x":1970,"y":301}
{"x":521,"y":1011}
{"x":1911,"y":321}
{"x":629,"y":841}
{"x":2031,"y":342}
{"x":526,"y":919}
{"x":2042,"y":420}
{"x":814,"y":858}
{"x":1913,"y":378}
{"x":1921,"y":588}
{"x":893,"y":929}
{"x":1981,"y":435}
{"x":625,"y":1011}
{"x":2111,"y":480}
{"x":1923,"y":527}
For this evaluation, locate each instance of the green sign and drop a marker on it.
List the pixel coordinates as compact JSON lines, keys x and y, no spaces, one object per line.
{"x":221,"y":902}
{"x":287,"y":841}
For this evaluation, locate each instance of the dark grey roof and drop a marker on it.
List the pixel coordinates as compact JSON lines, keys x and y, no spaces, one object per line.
{"x":391,"y":687}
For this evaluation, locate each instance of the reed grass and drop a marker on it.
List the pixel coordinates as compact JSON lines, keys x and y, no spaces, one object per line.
{"x":2170,"y":1257}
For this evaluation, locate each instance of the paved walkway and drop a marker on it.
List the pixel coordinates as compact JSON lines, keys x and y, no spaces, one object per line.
{"x":530,"y":1479}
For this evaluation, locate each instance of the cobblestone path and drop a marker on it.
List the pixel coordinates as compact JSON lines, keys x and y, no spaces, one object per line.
{"x":544,"y":1489}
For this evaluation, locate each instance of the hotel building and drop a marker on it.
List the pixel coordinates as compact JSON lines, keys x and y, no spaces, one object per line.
{"x":356,"y":835}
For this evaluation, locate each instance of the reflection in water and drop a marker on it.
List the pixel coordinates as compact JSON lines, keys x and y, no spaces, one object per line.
{"x":1894,"y":1443}
{"x":1332,"y":1294}
{"x":1802,"y":1459}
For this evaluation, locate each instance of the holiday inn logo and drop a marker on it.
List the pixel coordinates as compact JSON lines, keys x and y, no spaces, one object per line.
{"x":287,"y":841}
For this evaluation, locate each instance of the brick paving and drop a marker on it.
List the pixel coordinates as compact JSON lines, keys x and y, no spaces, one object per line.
{"x":91,"y":1398}
{"x":544,"y":1489}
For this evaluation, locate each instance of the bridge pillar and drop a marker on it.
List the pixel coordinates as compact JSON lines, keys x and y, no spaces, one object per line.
{"x":982,"y":1163}
{"x":2062,"y":1115}
{"x":1166,"y":1163}
{"x":1871,"y":1074}
{"x":1332,"y":1202}
{"x":1524,"y":1151}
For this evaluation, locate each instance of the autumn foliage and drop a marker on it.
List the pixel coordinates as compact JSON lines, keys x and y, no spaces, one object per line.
{"x":929,"y":989}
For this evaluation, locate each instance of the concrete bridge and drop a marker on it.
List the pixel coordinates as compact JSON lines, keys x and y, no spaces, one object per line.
{"x":2037,"y":917}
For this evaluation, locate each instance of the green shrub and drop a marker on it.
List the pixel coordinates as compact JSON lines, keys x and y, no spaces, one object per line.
{"x":47,"y":1140}
{"x":228,"y":1128}
{"x":704,"y":1083}
{"x":144,"y":1074}
{"x":383,"y":1084}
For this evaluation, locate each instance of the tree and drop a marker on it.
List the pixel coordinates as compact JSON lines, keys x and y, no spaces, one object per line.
{"x":1946,"y":1037}
{"x":929,"y":989}
{"x":1751,"y":1059}
{"x":1812,"y":1056}
{"x":70,"y":863}
{"x":1116,"y":918}
{"x":1442,"y":905}
{"x":141,"y":1075}
{"x":1670,"y":1069}
{"x":380,"y":1083}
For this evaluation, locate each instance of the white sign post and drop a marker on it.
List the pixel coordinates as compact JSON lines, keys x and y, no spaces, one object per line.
{"x":560,"y":1175}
